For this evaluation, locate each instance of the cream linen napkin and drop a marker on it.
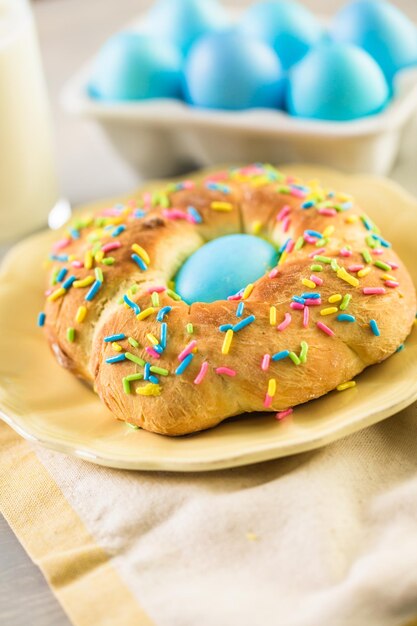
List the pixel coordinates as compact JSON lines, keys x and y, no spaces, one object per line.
{"x":325,"y":538}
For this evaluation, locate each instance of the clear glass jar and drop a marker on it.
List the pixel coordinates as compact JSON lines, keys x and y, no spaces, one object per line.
{"x":28,"y":186}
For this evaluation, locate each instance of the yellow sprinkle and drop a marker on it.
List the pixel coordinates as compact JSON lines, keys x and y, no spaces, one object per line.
{"x":401,"y":295}
{"x":329,"y":230}
{"x":282,"y":257}
{"x":145,"y":313}
{"x":329,"y":310}
{"x":149,"y":390}
{"x":347,"y":385}
{"x":71,"y":258}
{"x":81,"y":313}
{"x":227,"y":341}
{"x":308,"y":283}
{"x":272,"y":387}
{"x":221,"y":206}
{"x":57,"y":294}
{"x":88,"y":260}
{"x":351,"y":219}
{"x":388,"y":277}
{"x":99,"y":256}
{"x":248,"y":291}
{"x":364,"y":272}
{"x":141,"y":252}
{"x":273,"y":315}
{"x":152,"y":339}
{"x":85,"y":282}
{"x":116,"y":346}
{"x":259,"y":181}
{"x":336,"y":297}
{"x":344,"y":275}
{"x":256,"y":227}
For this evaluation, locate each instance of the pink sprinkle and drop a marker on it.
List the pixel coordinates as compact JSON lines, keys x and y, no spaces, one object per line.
{"x":345,"y":252}
{"x":48,"y":292}
{"x":290,"y":246}
{"x":174,"y":214}
{"x":273,"y":273}
{"x":325,"y":329}
{"x":62,"y":243}
{"x":287,"y":320}
{"x":355,"y":268}
{"x":306,"y":316}
{"x":283,"y":414}
{"x":312,"y":301}
{"x":377,"y":251}
{"x":265,"y":362}
{"x":157,"y":288}
{"x":77,"y":264}
{"x":286,"y":224}
{"x":328,"y":212}
{"x":297,"y":306}
{"x":236,"y":296}
{"x":310,"y":239}
{"x":283,"y":213}
{"x":267,"y":401}
{"x":111,"y":212}
{"x":391,"y":283}
{"x":225,"y":370}
{"x":319,"y":251}
{"x":112,"y":245}
{"x":147,"y":199}
{"x":188,"y":184}
{"x":393,"y":265}
{"x":290,"y":179}
{"x":187,"y":350}
{"x":316,"y":279}
{"x":201,"y":374}
{"x":216,"y":177}
{"x":373,"y":291}
{"x":297,"y":193}
{"x":152,"y":352}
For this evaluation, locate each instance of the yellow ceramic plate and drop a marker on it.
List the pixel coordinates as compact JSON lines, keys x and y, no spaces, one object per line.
{"x":45,"y":403}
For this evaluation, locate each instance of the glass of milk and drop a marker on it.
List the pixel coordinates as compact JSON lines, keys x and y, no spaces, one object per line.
{"x":28,"y":186}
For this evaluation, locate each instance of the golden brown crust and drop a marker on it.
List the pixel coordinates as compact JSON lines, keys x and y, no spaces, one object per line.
{"x":257,"y":200}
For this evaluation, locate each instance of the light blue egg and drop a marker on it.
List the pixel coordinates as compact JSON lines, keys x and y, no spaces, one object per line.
{"x":382,"y":30}
{"x":286,"y":26}
{"x":223,"y":266}
{"x":184,"y":21}
{"x":337,"y":82}
{"x":134,"y":66}
{"x":229,"y":71}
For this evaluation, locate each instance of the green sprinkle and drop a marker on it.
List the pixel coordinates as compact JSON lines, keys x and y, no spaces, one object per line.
{"x":159,"y":198}
{"x":299,"y":243}
{"x":366,"y":256}
{"x":54,"y":277}
{"x":135,"y":359}
{"x":120,"y":300}
{"x":132,"y":426}
{"x":155,"y":298}
{"x":345,"y":302}
{"x":322,"y":242}
{"x":173,"y":295}
{"x":133,"y":377}
{"x":190,"y":328}
{"x":159,"y":370}
{"x":371,"y":242}
{"x":134,"y":288}
{"x":133,"y":342}
{"x":294,"y":358}
{"x":96,"y":248}
{"x":126,"y":385}
{"x":303,"y":353}
{"x":109,"y":260}
{"x":323,"y":259}
{"x":283,"y":189}
{"x":99,"y":274}
{"x":382,"y":265}
{"x":316,"y":267}
{"x":334,"y":265}
{"x":70,"y":334}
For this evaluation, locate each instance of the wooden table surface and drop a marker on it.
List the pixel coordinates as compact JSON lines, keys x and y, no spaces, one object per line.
{"x":70,"y":31}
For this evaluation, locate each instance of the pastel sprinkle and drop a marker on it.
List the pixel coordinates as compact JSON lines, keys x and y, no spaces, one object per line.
{"x":225,"y":370}
{"x":189,"y":328}
{"x":227,"y":341}
{"x":145,"y":313}
{"x":247,"y":291}
{"x":273,"y":273}
{"x":373,"y":291}
{"x":152,"y":339}
{"x":141,"y":252}
{"x":265,"y":362}
{"x":225,"y":327}
{"x":150,"y":389}
{"x":273,"y":315}
{"x":133,"y":342}
{"x":118,"y":230}
{"x":294,"y":358}
{"x":155,"y":299}
{"x":345,"y":317}
{"x":194,"y":214}
{"x":297,"y":306}
{"x":61,"y":274}
{"x":306,"y":316}
{"x":201,"y":374}
{"x":239,"y":309}
{"x":400,"y":348}
{"x":374,"y":327}
{"x":159,"y":370}
{"x":152,"y":352}
{"x":345,"y":302}
{"x":173,"y":295}
{"x":316,"y":267}
{"x":243,"y":323}
{"x":366,"y":256}
{"x":364,"y":272}
{"x":126,"y":385}
{"x":131,"y":304}
{"x":310,"y":296}
{"x":325,"y":329}
{"x":132,"y":377}
{"x":336,"y":297}
{"x":348,"y":278}
{"x":392,"y":283}
{"x":184,"y":364}
{"x":156,"y":289}
{"x":117,"y":337}
{"x":316,"y":280}
{"x":164,"y":335}
{"x":329,"y":310}
{"x":345,"y":386}
{"x":99,"y":274}
{"x":116,"y":359}
{"x":187,"y":350}
{"x":221,"y":206}
{"x":162,"y":312}
{"x":382,"y":265}
{"x":116,"y":346}
{"x":58,"y":293}
{"x":322,"y":259}
{"x":284,"y":324}
{"x":85,"y":282}
{"x":139,"y":262}
{"x":93,"y":291}
{"x":303,"y":352}
{"x":272,"y":387}
{"x":41,"y":319}
{"x":283,"y":414}
{"x":112,"y":245}
{"x":135,"y":359}
{"x":279,"y":356}
{"x":308,"y":283}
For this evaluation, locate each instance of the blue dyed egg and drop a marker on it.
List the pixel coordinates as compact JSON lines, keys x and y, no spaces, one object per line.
{"x":134,"y":66}
{"x":337,"y":82}
{"x":184,"y":21}
{"x":382,"y":30}
{"x":223,"y":266}
{"x":286,"y":26}
{"x":229,"y":71}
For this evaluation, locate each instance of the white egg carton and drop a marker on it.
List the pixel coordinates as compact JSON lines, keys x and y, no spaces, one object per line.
{"x":167,"y":137}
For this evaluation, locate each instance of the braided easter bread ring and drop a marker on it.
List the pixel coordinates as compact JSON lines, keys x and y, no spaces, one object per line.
{"x":338,"y":301}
